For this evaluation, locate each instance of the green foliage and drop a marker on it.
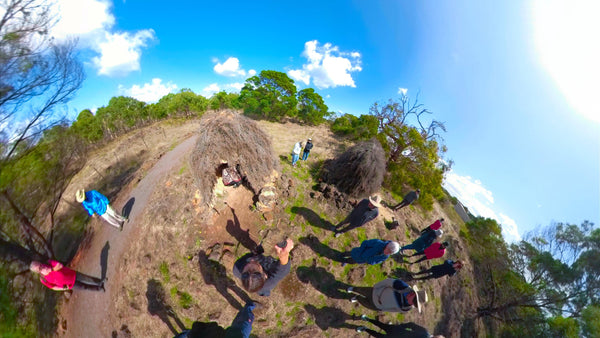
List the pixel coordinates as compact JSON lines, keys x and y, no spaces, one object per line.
{"x":164,"y":271}
{"x":311,"y":107}
{"x":88,"y":126}
{"x":591,"y":321}
{"x":357,"y":128}
{"x":270,"y":95}
{"x":564,"y":327}
{"x":224,"y":100}
{"x":185,"y":103}
{"x":121,"y":114}
{"x":185,"y":299}
{"x":9,"y":324}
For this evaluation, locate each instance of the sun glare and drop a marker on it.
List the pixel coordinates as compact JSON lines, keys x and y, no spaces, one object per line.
{"x":566,"y":38}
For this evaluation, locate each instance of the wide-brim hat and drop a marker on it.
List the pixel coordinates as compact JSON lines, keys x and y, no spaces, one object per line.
{"x":80,"y":195}
{"x":375,"y":200}
{"x":421,"y":296}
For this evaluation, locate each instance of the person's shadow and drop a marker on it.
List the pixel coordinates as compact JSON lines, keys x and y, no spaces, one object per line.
{"x":234,"y":228}
{"x":323,"y":281}
{"x":158,"y":305}
{"x":402,"y":274}
{"x":126,"y":211}
{"x":312,"y":218}
{"x":328,"y":316}
{"x":322,"y":249}
{"x":104,"y":260}
{"x":214,"y":273}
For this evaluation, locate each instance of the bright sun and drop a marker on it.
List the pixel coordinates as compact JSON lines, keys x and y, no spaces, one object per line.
{"x":567,"y":38}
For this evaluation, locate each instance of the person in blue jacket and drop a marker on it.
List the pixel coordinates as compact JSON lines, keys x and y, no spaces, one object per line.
{"x":371,"y":251}
{"x":97,"y":204}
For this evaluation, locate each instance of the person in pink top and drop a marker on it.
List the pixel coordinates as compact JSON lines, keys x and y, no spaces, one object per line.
{"x":435,"y":250}
{"x":434,"y":226}
{"x":60,"y":278}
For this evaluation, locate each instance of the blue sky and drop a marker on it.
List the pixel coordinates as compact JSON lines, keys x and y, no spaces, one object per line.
{"x":512,"y":80}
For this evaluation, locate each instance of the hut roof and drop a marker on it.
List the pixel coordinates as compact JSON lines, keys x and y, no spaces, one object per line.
{"x":358,"y":171}
{"x":236,"y":139}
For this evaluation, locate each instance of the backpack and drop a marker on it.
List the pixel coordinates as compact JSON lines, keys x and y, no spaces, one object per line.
{"x":231,"y":177}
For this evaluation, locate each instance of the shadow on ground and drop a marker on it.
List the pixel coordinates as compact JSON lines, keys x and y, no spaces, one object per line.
{"x":158,"y":306}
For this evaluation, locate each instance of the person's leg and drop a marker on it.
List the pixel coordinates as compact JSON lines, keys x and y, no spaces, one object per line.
{"x":294,"y":159}
{"x":88,"y":280}
{"x":82,"y":286}
{"x":419,"y":260}
{"x":383,"y":326}
{"x":114,"y":214}
{"x":407,"y":247}
{"x":374,"y":333}
{"x":401,"y":205}
{"x":242,"y":323}
{"x":111,"y":220}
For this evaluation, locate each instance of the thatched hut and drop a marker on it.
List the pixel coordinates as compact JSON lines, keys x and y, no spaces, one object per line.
{"x":237,"y":140}
{"x":358,"y":171}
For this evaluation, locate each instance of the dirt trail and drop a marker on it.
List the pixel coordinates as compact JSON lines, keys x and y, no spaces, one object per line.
{"x":87,"y":312}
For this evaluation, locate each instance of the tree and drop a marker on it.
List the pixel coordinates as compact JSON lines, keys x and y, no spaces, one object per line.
{"x":311,"y":107}
{"x":38,"y":74}
{"x":271,"y":95}
{"x":224,"y":100}
{"x":121,"y":115}
{"x":88,"y":126}
{"x":413,"y":150}
{"x":363,"y":127}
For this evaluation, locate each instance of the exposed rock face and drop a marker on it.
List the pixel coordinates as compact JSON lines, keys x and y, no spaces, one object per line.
{"x":267,"y":198}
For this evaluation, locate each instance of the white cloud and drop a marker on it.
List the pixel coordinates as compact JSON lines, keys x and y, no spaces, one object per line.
{"x":402,"y":91}
{"x":149,"y":92}
{"x":327,"y":66}
{"x":480,"y":202}
{"x":237,"y":86}
{"x":120,"y":52}
{"x":231,"y":67}
{"x":210,"y":90}
{"x":92,"y":22}
{"x":251,"y":72}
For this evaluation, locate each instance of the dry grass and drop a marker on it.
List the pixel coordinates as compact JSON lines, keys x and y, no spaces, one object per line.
{"x":358,"y":171}
{"x":231,"y":137}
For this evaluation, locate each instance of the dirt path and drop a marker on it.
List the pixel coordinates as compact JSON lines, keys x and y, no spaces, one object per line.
{"x":87,"y":312}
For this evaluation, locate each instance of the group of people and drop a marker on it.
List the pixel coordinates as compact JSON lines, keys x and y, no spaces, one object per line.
{"x":260,"y":274}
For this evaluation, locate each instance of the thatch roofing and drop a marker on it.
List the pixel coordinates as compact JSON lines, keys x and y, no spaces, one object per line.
{"x":229,"y":136}
{"x":358,"y":171}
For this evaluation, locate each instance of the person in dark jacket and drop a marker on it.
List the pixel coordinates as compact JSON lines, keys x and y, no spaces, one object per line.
{"x":260,"y":273}
{"x":371,"y":251}
{"x":365,"y":211}
{"x":307,"y":149}
{"x":408,"y":199}
{"x":435,"y":250}
{"x":433,"y":226}
{"x":448,"y":268}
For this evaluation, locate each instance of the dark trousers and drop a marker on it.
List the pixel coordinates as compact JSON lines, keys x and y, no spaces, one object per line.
{"x":85,"y":282}
{"x":242,"y":323}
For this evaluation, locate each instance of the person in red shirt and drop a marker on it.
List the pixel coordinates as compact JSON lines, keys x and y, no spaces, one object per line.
{"x":435,"y":250}
{"x":60,"y":278}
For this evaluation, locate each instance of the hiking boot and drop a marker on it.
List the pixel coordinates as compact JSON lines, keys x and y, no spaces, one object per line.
{"x":354,"y":299}
{"x":360,"y":329}
{"x":350,"y":289}
{"x":337,"y":234}
{"x":364,"y":317}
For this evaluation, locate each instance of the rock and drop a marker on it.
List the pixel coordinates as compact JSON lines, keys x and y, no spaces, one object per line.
{"x":268,"y":216}
{"x":267,"y":198}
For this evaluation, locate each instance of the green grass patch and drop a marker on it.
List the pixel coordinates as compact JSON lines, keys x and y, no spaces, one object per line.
{"x":362,"y":234}
{"x":183,"y":169}
{"x":374,"y":274}
{"x":185,"y":300}
{"x":164,"y":272}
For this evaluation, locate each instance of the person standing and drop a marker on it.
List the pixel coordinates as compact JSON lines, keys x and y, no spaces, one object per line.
{"x":365,"y":211}
{"x":433,"y":226}
{"x":307,"y":149}
{"x":435,"y":250}
{"x":448,"y":268}
{"x":260,"y":273}
{"x":296,"y":153}
{"x":371,"y":251}
{"x":97,"y":204}
{"x":241,"y":326}
{"x":408,"y":199}
{"x":60,"y":278}
{"x":423,"y":242}
{"x":392,"y":295}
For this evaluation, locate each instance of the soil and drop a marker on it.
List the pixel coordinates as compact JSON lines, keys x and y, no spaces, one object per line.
{"x":172,"y":263}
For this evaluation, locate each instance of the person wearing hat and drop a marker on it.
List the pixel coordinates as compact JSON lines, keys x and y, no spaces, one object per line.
{"x":448,"y":268}
{"x":307,"y":149}
{"x":408,"y":199}
{"x":296,"y":152}
{"x":435,"y":250}
{"x":394,"y":295}
{"x":371,"y":251}
{"x":364,"y":212}
{"x":97,"y":204}
{"x":58,"y":277}
{"x":424,"y":241}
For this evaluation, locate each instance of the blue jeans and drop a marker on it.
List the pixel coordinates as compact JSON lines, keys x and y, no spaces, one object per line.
{"x":242,"y":323}
{"x":305,"y":155}
{"x":295,"y":158}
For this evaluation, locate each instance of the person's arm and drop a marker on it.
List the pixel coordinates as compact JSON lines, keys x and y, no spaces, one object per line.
{"x":56,"y":265}
{"x":284,"y":253}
